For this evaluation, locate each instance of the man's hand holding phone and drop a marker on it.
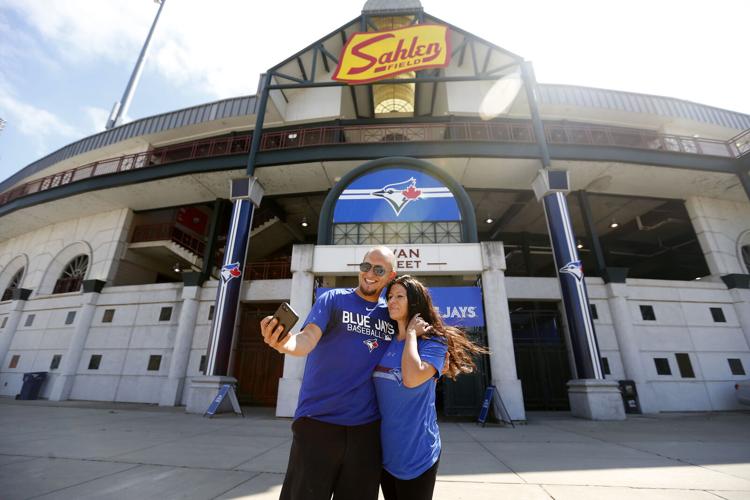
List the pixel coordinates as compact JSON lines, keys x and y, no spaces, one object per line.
{"x":275,"y":329}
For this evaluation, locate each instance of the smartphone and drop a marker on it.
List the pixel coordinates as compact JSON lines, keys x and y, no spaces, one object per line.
{"x":287,"y":318}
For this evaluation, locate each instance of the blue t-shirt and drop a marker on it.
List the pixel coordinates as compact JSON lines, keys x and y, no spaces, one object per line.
{"x":337,"y":384}
{"x":409,"y":431}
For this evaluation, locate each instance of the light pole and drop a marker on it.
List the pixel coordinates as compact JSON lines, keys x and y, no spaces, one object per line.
{"x":121,"y":107}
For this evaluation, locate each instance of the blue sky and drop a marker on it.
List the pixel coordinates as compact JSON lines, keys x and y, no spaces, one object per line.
{"x":63,"y":63}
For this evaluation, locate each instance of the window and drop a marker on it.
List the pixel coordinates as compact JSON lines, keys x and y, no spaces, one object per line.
{"x":202,"y":364}
{"x":71,"y":278}
{"x":394,"y":233}
{"x":55,"y":363}
{"x":94,"y":362}
{"x":647,"y":313}
{"x":165,"y":314}
{"x":15,"y":282}
{"x":594,"y":312}
{"x":735,"y":364}
{"x":745,"y":251}
{"x":683,"y":363}
{"x":154,"y":362}
{"x":605,"y":366}
{"x":662,"y":366}
{"x":70,"y":318}
{"x":717,"y":313}
{"x":108,"y":316}
{"x":211,"y":313}
{"x":29,"y":320}
{"x":5,"y":321}
{"x":14,"y":361}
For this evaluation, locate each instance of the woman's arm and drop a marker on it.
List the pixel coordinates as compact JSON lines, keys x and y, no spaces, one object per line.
{"x":414,"y":371}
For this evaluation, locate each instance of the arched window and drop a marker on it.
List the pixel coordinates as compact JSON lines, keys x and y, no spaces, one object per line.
{"x":15,"y":282}
{"x":71,"y":278}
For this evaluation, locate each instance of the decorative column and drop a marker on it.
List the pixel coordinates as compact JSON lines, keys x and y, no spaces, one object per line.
{"x":590,"y":396}
{"x":499,"y":332}
{"x":630,"y":353}
{"x":171,"y":394}
{"x":246,"y":195}
{"x":303,"y":288}
{"x":64,"y":382}
{"x":20,"y":296}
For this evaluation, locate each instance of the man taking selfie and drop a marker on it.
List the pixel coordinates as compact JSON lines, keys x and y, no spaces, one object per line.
{"x":336,"y":429}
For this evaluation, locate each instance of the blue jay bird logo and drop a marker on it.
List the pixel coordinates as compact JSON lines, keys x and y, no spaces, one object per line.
{"x":371,"y":344}
{"x":573,"y":268}
{"x":230,"y":271}
{"x":399,"y":194}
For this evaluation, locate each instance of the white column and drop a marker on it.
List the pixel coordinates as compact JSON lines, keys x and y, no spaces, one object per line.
{"x":627,"y":341}
{"x":171,"y":393}
{"x":719,"y":249}
{"x":303,"y":287}
{"x":11,"y":325}
{"x":64,"y":382}
{"x":741,"y":299}
{"x":499,"y":333}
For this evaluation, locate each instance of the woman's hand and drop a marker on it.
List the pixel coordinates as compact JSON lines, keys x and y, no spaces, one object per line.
{"x":418,"y":326}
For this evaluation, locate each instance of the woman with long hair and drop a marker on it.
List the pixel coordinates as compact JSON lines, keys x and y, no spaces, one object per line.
{"x":405,"y":380}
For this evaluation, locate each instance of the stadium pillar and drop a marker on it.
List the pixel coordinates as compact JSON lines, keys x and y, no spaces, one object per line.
{"x":172,"y":388}
{"x":20,"y":296}
{"x":591,"y":396}
{"x":303,"y":288}
{"x":499,"y":331}
{"x":63,"y":385}
{"x":246,"y":195}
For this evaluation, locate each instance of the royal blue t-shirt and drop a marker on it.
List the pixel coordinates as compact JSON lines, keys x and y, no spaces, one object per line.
{"x":337,"y":385}
{"x":408,"y":431}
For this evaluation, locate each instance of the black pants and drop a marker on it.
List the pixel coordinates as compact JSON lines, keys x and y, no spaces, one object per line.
{"x":328,"y":459}
{"x":419,"y":488}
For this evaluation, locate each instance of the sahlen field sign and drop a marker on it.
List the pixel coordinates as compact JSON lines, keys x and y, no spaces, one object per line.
{"x":372,"y":56}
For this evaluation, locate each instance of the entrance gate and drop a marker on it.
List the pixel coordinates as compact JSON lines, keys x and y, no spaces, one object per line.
{"x":541,"y":355}
{"x":257,"y":368}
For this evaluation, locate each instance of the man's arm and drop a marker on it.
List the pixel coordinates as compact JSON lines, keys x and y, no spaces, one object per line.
{"x":297,"y":344}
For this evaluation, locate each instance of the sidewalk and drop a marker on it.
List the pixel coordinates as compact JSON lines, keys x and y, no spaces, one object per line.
{"x":78,"y":450}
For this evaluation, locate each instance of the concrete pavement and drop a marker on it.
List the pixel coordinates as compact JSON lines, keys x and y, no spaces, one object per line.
{"x":79,"y":450}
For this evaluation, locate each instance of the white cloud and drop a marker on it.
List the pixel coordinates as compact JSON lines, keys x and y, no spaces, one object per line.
{"x":97,"y":118}
{"x":32,"y":121}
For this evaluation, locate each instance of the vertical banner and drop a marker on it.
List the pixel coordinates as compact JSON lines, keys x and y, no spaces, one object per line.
{"x":573,"y":287}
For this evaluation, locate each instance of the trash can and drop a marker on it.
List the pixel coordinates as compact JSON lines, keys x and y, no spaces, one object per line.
{"x":629,"y":396}
{"x":32,"y":384}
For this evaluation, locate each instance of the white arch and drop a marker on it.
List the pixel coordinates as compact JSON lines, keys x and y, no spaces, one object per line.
{"x":743,"y":241}
{"x":16,"y":264}
{"x":57,"y":265}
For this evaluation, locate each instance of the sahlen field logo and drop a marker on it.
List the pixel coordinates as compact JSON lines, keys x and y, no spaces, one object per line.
{"x":399,"y":194}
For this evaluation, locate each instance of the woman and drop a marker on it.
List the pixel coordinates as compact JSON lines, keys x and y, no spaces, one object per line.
{"x":405,"y":386}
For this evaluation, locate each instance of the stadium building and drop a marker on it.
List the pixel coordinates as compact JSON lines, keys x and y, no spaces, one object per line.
{"x":401,"y":129}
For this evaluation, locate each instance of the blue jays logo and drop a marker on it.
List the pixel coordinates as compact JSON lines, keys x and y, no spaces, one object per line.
{"x":230,"y":271}
{"x":399,"y":194}
{"x":573,"y":268}
{"x":397,"y":375}
{"x":371,"y":344}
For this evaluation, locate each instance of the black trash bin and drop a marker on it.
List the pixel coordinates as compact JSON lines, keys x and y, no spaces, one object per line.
{"x":32,"y":384}
{"x":629,"y":396}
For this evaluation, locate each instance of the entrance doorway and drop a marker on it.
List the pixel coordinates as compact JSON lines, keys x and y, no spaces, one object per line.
{"x":541,"y":355}
{"x":257,"y":367}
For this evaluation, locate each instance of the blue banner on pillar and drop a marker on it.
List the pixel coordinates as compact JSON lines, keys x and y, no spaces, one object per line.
{"x":459,"y":306}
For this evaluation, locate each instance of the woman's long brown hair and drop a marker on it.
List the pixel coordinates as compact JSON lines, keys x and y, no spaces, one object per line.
{"x":460,"y":349}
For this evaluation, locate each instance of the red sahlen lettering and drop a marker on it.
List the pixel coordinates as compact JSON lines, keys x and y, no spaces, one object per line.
{"x":357,"y":51}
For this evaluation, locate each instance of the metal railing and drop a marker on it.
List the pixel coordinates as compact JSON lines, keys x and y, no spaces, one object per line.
{"x":168,"y":232}
{"x":271,"y":270}
{"x":518,"y":132}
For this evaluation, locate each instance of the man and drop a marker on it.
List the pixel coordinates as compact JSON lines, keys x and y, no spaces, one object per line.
{"x":336,"y":429}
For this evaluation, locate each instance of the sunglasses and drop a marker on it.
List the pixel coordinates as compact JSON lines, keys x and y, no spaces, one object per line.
{"x":378,"y":270}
